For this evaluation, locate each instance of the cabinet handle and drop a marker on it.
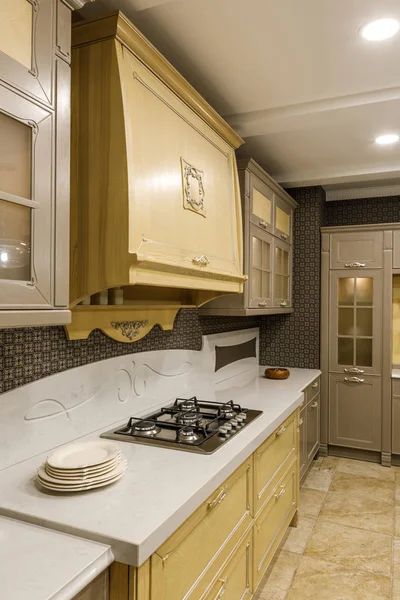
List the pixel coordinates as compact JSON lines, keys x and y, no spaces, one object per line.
{"x":284,"y":303}
{"x":281,"y":492}
{"x":354,"y":379}
{"x":221,"y":496}
{"x":201,"y":261}
{"x":222,"y":589}
{"x":263,"y":224}
{"x":314,"y":385}
{"x":281,"y":431}
{"x":301,"y":421}
{"x":355,"y":265}
{"x":314,"y":405}
{"x":284,"y":236}
{"x":354,"y":370}
{"x":263,"y":303}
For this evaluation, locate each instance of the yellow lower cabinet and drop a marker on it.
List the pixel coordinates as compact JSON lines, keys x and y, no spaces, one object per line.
{"x":273,"y":458}
{"x":235,"y":580}
{"x":187,"y":563}
{"x":273,"y":521}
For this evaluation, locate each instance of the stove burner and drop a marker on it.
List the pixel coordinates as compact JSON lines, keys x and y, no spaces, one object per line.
{"x":187,"y":434}
{"x":226,"y":411}
{"x":146,"y":428}
{"x":189,"y":404}
{"x":187,"y":418}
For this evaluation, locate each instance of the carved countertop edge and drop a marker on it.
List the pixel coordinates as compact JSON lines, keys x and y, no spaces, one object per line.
{"x":119,"y":26}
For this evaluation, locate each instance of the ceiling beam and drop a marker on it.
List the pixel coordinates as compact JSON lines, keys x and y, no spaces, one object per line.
{"x":379,"y":191}
{"x":303,"y":179}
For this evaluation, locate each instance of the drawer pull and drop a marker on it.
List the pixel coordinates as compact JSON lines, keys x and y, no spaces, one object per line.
{"x":284,"y":236}
{"x":354,"y":379}
{"x":263,"y":224}
{"x":315,"y":385}
{"x":284,"y":303}
{"x":222,"y":589}
{"x":221,"y":496}
{"x":301,"y":421}
{"x":281,"y":492}
{"x":263,"y":303}
{"x":201,"y":261}
{"x":355,"y":265}
{"x":281,"y":431}
{"x":354,"y":370}
{"x":314,"y":405}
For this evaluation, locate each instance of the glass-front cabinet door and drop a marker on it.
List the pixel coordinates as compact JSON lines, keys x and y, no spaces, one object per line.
{"x":25,"y":203}
{"x":282,"y":274}
{"x":261,"y":204}
{"x":356,"y":323}
{"x":260,"y":280}
{"x":283,"y":220}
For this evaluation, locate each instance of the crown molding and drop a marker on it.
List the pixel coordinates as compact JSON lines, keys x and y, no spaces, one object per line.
{"x":77,"y":4}
{"x":381,"y":191}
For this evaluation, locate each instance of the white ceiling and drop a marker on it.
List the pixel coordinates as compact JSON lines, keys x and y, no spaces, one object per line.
{"x":293,"y":77}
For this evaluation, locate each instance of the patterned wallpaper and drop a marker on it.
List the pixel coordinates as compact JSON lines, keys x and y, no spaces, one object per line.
{"x":32,"y":353}
{"x":293,"y":340}
{"x":365,"y":211}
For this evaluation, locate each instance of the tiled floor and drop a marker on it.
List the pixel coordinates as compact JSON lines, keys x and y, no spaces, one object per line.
{"x":347,"y":543}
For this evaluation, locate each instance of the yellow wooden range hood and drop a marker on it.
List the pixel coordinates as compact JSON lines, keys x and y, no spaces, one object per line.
{"x":155,"y":203}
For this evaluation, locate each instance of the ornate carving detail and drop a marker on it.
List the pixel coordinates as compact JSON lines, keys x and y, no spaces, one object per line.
{"x":193,"y":188}
{"x":129,"y":329}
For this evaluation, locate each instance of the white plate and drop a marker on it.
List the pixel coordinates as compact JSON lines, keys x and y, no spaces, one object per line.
{"x":79,"y":481}
{"x":82,"y":488}
{"x":90,"y":472}
{"x":82,"y":455}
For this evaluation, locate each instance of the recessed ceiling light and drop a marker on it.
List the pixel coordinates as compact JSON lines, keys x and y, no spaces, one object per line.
{"x":388,"y":138}
{"x":382,"y":29}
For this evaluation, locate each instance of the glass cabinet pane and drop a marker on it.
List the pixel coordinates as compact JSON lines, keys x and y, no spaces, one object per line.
{"x":364,"y":322}
{"x":345,"y":351}
{"x":262,"y":206}
{"x":15,"y":157}
{"x":364,"y":352}
{"x":285,"y":263}
{"x":266,"y":285}
{"x":256,"y":283}
{"x":346,"y":291}
{"x":266,"y":256}
{"x":282,"y":220}
{"x":346,"y":321}
{"x":365,"y":290}
{"x":285,"y":288}
{"x":15,"y":241}
{"x":16,"y":30}
{"x":257,"y":252}
{"x":278,"y":286}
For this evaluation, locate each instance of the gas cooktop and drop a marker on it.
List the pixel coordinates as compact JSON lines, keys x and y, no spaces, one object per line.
{"x":188,"y":424}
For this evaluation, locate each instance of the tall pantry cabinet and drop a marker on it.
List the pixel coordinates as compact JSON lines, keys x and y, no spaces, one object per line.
{"x":355,"y":341}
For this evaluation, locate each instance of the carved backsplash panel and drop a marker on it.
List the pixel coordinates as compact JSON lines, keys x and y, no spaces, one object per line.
{"x":32,"y":353}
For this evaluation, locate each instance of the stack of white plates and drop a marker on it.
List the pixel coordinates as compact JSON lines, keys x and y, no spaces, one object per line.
{"x":82,"y":466}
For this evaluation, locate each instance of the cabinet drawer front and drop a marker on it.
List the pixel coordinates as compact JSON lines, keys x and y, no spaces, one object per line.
{"x":312,"y":390}
{"x":273,"y":457}
{"x":235,"y":580}
{"x":362,"y":250}
{"x":313,"y":427}
{"x":185,"y":565}
{"x":271,"y":522}
{"x":175,"y":155}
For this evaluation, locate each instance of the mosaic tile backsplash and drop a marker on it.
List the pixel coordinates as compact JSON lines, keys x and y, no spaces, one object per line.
{"x":32,"y":353}
{"x":293,"y":340}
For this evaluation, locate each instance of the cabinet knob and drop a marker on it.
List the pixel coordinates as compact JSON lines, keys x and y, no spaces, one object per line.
{"x":301,"y":421}
{"x":355,"y":265}
{"x":201,"y":261}
{"x":315,"y":385}
{"x":281,"y":431}
{"x":284,"y":236}
{"x":221,"y":496}
{"x":314,"y":405}
{"x":263,"y":303}
{"x":354,"y":379}
{"x":281,"y":492}
{"x":354,"y":370}
{"x":284,"y":303}
{"x":263,"y":224}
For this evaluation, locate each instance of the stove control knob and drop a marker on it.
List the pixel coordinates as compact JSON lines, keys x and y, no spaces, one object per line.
{"x":243,"y":416}
{"x":240,"y":420}
{"x":228,"y":426}
{"x":223,"y":431}
{"x":235,"y":423}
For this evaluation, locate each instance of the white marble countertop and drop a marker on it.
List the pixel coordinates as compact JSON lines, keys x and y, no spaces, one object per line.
{"x":395,"y":373}
{"x":161,"y":487}
{"x":40,"y":564}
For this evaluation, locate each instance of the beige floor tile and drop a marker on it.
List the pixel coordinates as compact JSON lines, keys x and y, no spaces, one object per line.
{"x":395,"y":589}
{"x":279,"y":576}
{"x":330,"y":462}
{"x":359,"y":509}
{"x":397,"y":522}
{"x":296,"y":538}
{"x":310,"y":502}
{"x":397,"y":494}
{"x":365,"y":469}
{"x":352,"y":548}
{"x":345,"y":482}
{"x":318,"y":479}
{"x":396,"y":558}
{"x":320,"y":580}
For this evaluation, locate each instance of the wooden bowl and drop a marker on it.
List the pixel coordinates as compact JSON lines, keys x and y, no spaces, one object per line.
{"x":277,"y":373}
